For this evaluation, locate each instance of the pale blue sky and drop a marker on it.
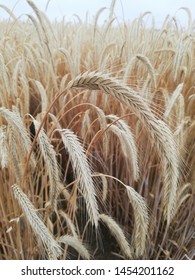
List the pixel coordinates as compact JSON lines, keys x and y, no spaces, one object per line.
{"x":131,"y":8}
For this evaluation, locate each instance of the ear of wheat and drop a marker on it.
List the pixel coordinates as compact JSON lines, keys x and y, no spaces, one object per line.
{"x":51,"y":246}
{"x":141,"y":220}
{"x":82,"y":171}
{"x":14,"y":120}
{"x":103,"y":165}
{"x":52,"y":165}
{"x":128,"y":145}
{"x":3,"y":147}
{"x":74,"y":242}
{"x":117,"y":232}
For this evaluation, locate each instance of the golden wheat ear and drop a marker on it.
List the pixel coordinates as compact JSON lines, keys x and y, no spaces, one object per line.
{"x":49,"y":156}
{"x":158,"y":132}
{"x":75,"y":243}
{"x":128,"y":146}
{"x":141,"y":221}
{"x":14,"y":119}
{"x":82,"y":171}
{"x":3,"y":147}
{"x":118,"y":234}
{"x":52,"y":248}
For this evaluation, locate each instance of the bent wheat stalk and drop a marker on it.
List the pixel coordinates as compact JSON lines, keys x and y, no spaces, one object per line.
{"x":157,"y":130}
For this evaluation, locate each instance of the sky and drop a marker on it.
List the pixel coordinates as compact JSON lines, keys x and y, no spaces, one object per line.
{"x":124,"y":9}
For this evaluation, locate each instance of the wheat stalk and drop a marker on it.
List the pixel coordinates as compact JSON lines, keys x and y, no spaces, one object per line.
{"x":10,"y":13}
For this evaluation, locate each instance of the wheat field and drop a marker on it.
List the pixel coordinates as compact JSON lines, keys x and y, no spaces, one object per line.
{"x":97,"y":138}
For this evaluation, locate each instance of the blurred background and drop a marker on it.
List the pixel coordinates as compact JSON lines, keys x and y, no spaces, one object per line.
{"x":87,"y":9}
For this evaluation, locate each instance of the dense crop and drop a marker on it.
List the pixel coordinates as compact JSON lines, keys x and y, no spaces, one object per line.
{"x":97,"y":139}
